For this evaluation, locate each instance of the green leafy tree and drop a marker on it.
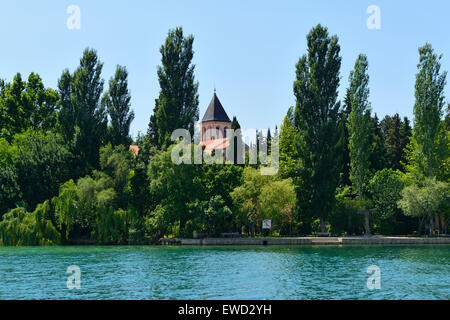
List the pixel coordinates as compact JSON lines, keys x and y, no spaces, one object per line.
{"x":378,"y":149}
{"x":152,"y":130}
{"x":359,"y":125}
{"x":217,"y":216}
{"x":289,"y":160}
{"x":246,"y":198}
{"x":43,"y":104}
{"x":85,"y":211}
{"x":117,"y":101}
{"x":139,"y":202}
{"x":317,"y":119}
{"x":221,"y":180}
{"x":177,"y":104}
{"x":269,"y":141}
{"x":344,"y":217}
{"x":426,"y":201}
{"x":405,"y":134}
{"x":116,"y":163}
{"x":277,"y":202}
{"x":15,"y":108}
{"x":25,"y":105}
{"x":83,"y":120}
{"x":396,"y":135}
{"x":173,"y":187}
{"x":447,"y":117}
{"x":67,"y":114}
{"x":41,"y":164}
{"x":385,"y":188}
{"x":235,"y":140}
{"x":9,"y":189}
{"x":22,"y":228}
{"x":344,"y":118}
{"x":428,"y":110}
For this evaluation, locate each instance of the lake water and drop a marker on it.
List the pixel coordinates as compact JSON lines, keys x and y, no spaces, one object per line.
{"x":271,"y":272}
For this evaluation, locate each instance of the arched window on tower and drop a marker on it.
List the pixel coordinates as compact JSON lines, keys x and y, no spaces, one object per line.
{"x":218,"y":132}
{"x":225,"y":132}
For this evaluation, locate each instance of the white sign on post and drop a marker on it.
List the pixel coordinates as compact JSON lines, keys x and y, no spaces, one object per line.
{"x":267,"y":224}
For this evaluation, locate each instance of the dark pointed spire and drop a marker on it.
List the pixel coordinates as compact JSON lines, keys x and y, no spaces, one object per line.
{"x":215,"y":111}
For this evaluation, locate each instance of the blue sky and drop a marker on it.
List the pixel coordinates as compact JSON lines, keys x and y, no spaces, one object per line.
{"x":247,"y":49}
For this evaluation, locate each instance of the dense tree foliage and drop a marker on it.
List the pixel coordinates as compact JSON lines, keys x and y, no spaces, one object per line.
{"x":428,"y":110}
{"x":117,"y":101}
{"x":83,"y":120}
{"x":26,"y":105}
{"x":177,"y":104}
{"x":289,"y":160}
{"x":317,"y":120}
{"x":359,"y":125}
{"x":431,"y":200}
{"x":67,"y":175}
{"x":396,"y":134}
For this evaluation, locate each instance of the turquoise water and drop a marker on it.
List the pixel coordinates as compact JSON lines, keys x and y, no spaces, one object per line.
{"x":271,"y":272}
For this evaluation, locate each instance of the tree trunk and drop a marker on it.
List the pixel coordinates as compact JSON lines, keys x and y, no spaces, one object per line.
{"x":181,"y":229}
{"x":431,"y":224}
{"x":419,"y":232}
{"x":439,"y":223}
{"x":367,"y":224}
{"x":322,"y":224}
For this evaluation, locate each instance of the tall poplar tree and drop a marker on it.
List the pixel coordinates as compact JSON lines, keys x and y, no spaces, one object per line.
{"x":317,"y":119}
{"x":83,"y":120}
{"x":177,"y":104}
{"x":117,"y":102}
{"x":359,"y":124}
{"x":428,"y":108}
{"x":236,"y":140}
{"x":344,"y":115}
{"x":447,"y":117}
{"x":269,"y":141}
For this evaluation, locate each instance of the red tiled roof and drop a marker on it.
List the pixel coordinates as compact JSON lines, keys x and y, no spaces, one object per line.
{"x":217,"y":144}
{"x":135,"y":149}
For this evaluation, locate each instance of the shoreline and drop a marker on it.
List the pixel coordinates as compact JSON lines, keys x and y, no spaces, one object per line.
{"x":299,"y":241}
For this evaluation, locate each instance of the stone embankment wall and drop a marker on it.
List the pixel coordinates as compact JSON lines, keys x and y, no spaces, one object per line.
{"x":304,"y":241}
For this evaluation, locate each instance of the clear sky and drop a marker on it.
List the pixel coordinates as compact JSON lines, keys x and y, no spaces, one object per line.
{"x":247,"y":49}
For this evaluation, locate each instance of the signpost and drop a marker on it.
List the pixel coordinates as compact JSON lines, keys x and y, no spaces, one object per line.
{"x":267,"y":224}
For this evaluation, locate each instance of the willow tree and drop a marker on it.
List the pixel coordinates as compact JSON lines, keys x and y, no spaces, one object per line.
{"x":317,"y":118}
{"x":359,"y":125}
